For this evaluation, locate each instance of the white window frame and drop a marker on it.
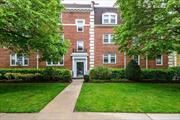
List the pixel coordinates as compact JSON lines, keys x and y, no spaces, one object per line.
{"x":109,"y":39}
{"x":79,"y":41}
{"x":52,"y":64}
{"x":78,"y":25}
{"x":109,"y":58}
{"x":16,"y":60}
{"x":109,"y":14}
{"x":161,"y":61}
{"x":139,"y":59}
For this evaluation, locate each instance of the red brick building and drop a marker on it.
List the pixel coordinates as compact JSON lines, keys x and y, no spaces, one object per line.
{"x":90,"y":31}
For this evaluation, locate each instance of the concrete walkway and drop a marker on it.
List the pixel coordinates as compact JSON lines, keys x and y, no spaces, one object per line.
{"x":62,"y":108}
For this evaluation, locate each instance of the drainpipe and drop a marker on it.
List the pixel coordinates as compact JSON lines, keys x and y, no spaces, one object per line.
{"x":125,"y":59}
{"x":146,"y":61}
{"x":37,"y":60}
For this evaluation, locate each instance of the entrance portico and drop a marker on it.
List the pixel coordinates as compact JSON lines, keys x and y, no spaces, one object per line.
{"x":79,"y":64}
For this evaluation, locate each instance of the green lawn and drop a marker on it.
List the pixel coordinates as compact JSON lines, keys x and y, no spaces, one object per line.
{"x":129,"y":97}
{"x":27,"y":97}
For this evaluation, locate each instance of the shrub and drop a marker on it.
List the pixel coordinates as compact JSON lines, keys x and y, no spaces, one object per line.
{"x":19,"y":76}
{"x":48,"y":74}
{"x":177,"y":72}
{"x":158,"y":74}
{"x":133,"y":71}
{"x":64,"y":75}
{"x":101,"y":73}
{"x":117,"y":74}
{"x":86,"y":78}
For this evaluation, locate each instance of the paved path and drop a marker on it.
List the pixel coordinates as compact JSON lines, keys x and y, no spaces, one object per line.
{"x":62,"y":107}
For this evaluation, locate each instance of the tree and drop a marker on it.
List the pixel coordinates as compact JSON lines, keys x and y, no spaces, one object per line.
{"x":30,"y":25}
{"x":150,"y":27}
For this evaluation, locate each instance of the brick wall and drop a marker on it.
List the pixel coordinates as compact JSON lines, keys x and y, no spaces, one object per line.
{"x":71,"y":34}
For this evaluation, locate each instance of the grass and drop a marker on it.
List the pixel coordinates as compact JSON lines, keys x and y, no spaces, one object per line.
{"x":129,"y":97}
{"x":27,"y":97}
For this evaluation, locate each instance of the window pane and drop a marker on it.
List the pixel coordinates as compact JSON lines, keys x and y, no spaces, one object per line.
{"x":136,"y":58}
{"x":111,"y":39}
{"x":26,"y":60}
{"x":13,"y":61}
{"x":80,"y":25}
{"x":55,"y":63}
{"x":62,"y":62}
{"x":80,"y":28}
{"x":19,"y":59}
{"x":49,"y":62}
{"x":106,"y":38}
{"x":113,"y":58}
{"x":159,"y":60}
{"x":80,"y":45}
{"x":106,"y":21}
{"x":105,"y":58}
{"x":113,"y":19}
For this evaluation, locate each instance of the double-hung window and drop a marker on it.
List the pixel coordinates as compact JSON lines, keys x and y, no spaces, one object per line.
{"x":19,"y":59}
{"x":159,"y":60}
{"x":80,"y":45}
{"x":107,"y":38}
{"x":80,"y":25}
{"x":137,"y":59}
{"x":56,"y":63}
{"x":109,"y":58}
{"x":109,"y":18}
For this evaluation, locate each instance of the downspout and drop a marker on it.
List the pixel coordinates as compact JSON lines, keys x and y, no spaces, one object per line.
{"x":125,"y":60}
{"x":37,"y":60}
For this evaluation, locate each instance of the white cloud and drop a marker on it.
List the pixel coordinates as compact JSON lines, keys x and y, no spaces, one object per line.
{"x":100,"y":2}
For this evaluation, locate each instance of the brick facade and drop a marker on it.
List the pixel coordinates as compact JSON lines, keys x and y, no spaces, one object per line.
{"x":93,"y":42}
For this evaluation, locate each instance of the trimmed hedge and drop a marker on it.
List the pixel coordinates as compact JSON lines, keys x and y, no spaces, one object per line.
{"x":48,"y":74}
{"x":104,"y":73}
{"x":158,"y":74}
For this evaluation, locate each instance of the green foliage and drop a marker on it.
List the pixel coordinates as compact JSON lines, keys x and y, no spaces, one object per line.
{"x":146,"y":74}
{"x":118,"y":74}
{"x":104,"y":73}
{"x":48,"y":74}
{"x":31,"y":25}
{"x":86,"y":78}
{"x":150,"y":27}
{"x":133,"y":71}
{"x":101,"y":73}
{"x":19,"y":76}
{"x":158,"y":74}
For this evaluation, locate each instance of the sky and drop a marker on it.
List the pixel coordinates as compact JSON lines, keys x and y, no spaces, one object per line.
{"x":101,"y":2}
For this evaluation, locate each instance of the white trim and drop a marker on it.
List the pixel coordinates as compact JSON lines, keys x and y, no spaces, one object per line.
{"x":59,"y":63}
{"x":76,"y":58}
{"x":91,"y":39}
{"x":139,"y":59}
{"x":77,"y":43}
{"x":105,"y":25}
{"x":161,"y":61}
{"x":109,"y":39}
{"x":23,"y":60}
{"x":82,"y":20}
{"x":109,"y":58}
{"x":85,"y":25}
{"x":109,"y":18}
